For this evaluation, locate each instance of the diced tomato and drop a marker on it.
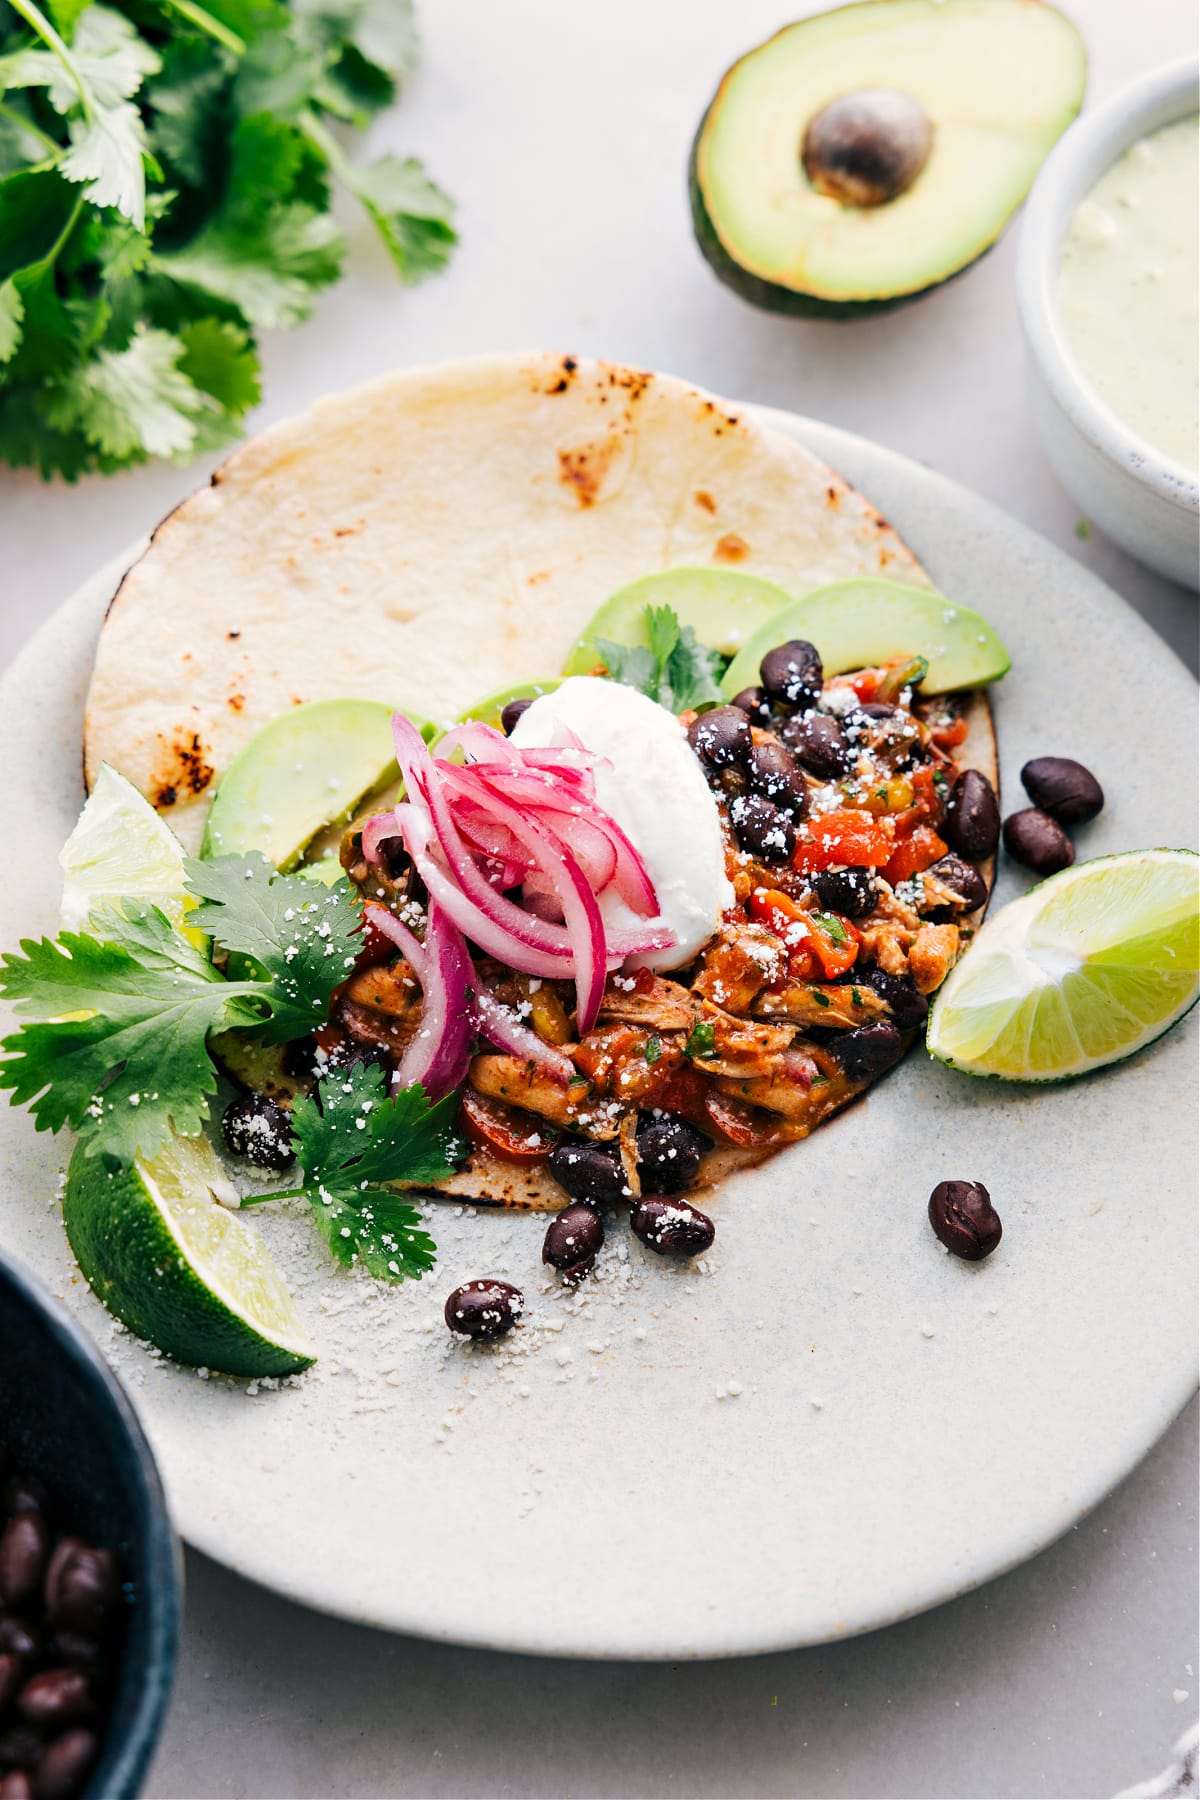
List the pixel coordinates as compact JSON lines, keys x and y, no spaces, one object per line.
{"x":374,"y":946}
{"x":811,"y":943}
{"x":851,"y":837}
{"x":927,"y":806}
{"x":917,"y":851}
{"x":747,"y":1126}
{"x":950,"y":735}
{"x":512,"y":1136}
{"x":684,"y":1092}
{"x":865,"y":683}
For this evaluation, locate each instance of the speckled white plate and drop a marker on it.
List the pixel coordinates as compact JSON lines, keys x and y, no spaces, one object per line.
{"x":833,"y":1424}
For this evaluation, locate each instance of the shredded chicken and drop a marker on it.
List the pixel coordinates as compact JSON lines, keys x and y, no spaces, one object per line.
{"x":646,"y":999}
{"x":738,"y":965}
{"x":932,"y":956}
{"x":521,"y":1083}
{"x":816,"y":1003}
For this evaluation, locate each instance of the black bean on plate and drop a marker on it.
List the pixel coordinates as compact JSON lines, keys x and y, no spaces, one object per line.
{"x":671,"y":1227}
{"x":756,"y":703}
{"x":1063,"y":788}
{"x":588,"y":1171}
{"x":774,"y":773}
{"x":851,"y":892}
{"x":762,"y":829}
{"x":670,"y":1150}
{"x":792,"y":673}
{"x":819,"y":744}
{"x":1033,"y":838}
{"x":259,"y":1130}
{"x":964,"y":1219}
{"x":868,"y":1050}
{"x":573,"y":1240}
{"x":963,"y":879}
{"x":484,"y":1309}
{"x":908,"y":1006}
{"x":721,"y":737}
{"x":972,"y":822}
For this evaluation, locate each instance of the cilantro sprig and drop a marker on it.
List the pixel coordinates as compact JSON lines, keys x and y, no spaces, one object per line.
{"x":351,"y":1140}
{"x":166,"y":175}
{"x":113,"y":1039}
{"x":675,"y":670}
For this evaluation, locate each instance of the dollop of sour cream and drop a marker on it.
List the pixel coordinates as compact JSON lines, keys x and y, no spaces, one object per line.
{"x":1128,"y":288}
{"x":652,"y":785}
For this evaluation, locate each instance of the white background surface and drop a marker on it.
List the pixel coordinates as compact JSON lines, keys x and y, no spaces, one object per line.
{"x":563,"y":130}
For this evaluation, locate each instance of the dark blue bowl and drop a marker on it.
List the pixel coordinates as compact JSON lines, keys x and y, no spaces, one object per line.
{"x":65,"y":1418}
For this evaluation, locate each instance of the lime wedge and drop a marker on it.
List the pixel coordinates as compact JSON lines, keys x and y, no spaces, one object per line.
{"x":1084,"y":970}
{"x":120,"y":849}
{"x":179,"y":1268}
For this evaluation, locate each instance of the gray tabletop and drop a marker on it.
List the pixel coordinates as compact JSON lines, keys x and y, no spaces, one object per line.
{"x":563,"y":130}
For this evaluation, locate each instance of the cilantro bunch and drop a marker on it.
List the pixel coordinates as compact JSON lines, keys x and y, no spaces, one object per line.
{"x":675,"y":669}
{"x":114,"y":1042}
{"x":165,"y":188}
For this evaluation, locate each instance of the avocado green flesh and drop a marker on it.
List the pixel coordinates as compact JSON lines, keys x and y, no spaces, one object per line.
{"x":859,"y":624}
{"x":723,"y":608}
{"x":305,"y":770}
{"x":999,"y":79}
{"x":487,"y":710}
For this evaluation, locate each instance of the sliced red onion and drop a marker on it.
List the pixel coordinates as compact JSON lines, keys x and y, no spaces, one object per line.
{"x":376,"y":832}
{"x":501,"y":1027}
{"x":440,"y":1052}
{"x":409,"y":945}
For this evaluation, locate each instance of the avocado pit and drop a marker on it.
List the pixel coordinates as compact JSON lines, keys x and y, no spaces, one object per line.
{"x":868,"y":147}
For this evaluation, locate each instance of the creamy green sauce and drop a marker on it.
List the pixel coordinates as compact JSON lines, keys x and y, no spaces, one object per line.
{"x":1129,"y":284}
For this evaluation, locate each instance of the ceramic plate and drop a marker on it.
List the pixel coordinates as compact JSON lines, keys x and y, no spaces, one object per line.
{"x":831,"y":1424}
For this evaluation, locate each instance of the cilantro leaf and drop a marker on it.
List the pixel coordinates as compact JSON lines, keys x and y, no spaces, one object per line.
{"x":114,"y":1044}
{"x":411,"y":215}
{"x":701,"y":1039}
{"x":12,"y":311}
{"x":267,"y":265}
{"x":134,"y":402}
{"x":675,"y":670}
{"x":303,"y":938}
{"x":353,"y":1140}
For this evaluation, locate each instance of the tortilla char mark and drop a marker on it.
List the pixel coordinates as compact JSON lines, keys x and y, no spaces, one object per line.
{"x":184,"y":769}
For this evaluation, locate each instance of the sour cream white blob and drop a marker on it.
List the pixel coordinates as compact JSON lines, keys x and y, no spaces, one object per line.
{"x":653,"y":786}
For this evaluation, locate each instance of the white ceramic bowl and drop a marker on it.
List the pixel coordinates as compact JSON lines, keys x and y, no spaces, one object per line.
{"x":1146,"y":501}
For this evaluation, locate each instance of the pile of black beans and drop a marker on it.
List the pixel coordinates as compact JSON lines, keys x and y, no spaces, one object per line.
{"x":1063,"y":793}
{"x":764,"y":783}
{"x":669,"y":1153}
{"x":60,"y":1616}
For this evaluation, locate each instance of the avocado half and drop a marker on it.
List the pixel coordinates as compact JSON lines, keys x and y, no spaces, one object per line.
{"x":859,"y":158}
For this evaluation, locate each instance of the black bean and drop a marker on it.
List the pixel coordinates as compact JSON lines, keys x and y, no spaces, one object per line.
{"x":573,"y":1240}
{"x":17,"y":1785}
{"x":1063,"y":788}
{"x":972,"y":822}
{"x":24,"y":1548}
{"x":484,"y":1309}
{"x":63,"y":1764}
{"x":22,"y":1493}
{"x":55,"y":1698}
{"x":12,"y":1671}
{"x":79,"y":1652}
{"x":1032,"y":837}
{"x":259,"y":1130}
{"x":671,"y":1227}
{"x":868,"y":1050}
{"x":963,"y":879}
{"x":774,"y":773}
{"x":19,"y":1637}
{"x":670,"y":1151}
{"x":721,"y":737}
{"x":818,"y":742}
{"x":587,"y":1171}
{"x":349,"y":1052}
{"x":792,"y":673}
{"x":756,"y":703}
{"x":512,"y":712}
{"x":762,"y":829}
{"x":964,"y":1219}
{"x":908,"y":1006}
{"x":81,"y":1586}
{"x":851,"y":892}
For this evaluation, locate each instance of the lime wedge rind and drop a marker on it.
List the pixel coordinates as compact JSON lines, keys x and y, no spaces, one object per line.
{"x":1085,"y":970}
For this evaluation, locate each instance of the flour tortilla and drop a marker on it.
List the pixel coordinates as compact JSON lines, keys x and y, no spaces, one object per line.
{"x":436,"y":534}
{"x":440,"y":533}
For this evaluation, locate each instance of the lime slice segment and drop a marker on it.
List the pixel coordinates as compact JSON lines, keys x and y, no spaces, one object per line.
{"x":177,"y":1266}
{"x":1084,"y":970}
{"x":121,"y":849}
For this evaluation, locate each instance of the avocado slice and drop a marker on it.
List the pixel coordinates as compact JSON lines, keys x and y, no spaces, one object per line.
{"x":722,"y":607}
{"x":306,"y":769}
{"x":861,"y":157}
{"x":487,"y":711}
{"x":858,"y":624}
